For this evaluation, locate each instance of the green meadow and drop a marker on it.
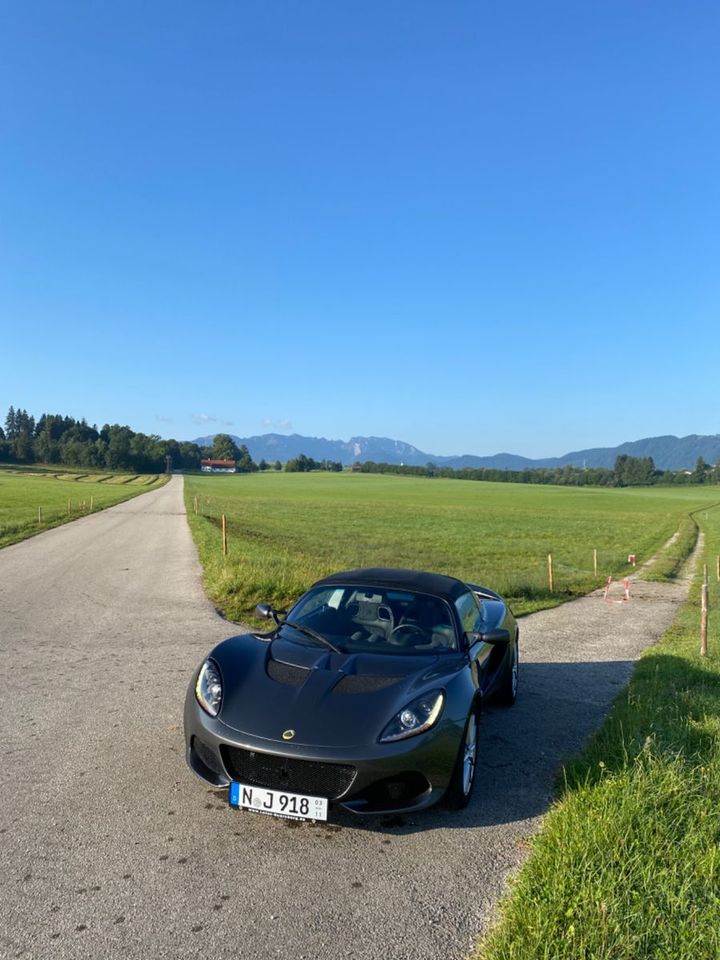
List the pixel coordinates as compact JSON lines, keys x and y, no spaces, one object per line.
{"x":33,"y":500}
{"x":287,"y":530}
{"x":627,"y":866}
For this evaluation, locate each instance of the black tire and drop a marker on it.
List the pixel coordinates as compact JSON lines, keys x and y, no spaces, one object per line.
{"x":507,"y":694}
{"x":461,"y":786}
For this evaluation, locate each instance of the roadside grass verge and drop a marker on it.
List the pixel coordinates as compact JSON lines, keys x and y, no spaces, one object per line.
{"x":627,"y":865}
{"x":60,"y":496}
{"x":287,"y":530}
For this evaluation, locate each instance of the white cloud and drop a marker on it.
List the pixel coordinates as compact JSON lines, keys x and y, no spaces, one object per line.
{"x":280,"y":424}
{"x":201,"y":418}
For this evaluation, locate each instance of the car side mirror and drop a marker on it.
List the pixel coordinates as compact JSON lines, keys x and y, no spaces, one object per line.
{"x":266,"y":612}
{"x":498,"y":635}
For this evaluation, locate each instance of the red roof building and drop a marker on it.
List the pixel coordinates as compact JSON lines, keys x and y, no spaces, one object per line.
{"x":218,"y":466}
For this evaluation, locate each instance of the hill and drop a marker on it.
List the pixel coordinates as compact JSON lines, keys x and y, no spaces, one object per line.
{"x":668,"y":452}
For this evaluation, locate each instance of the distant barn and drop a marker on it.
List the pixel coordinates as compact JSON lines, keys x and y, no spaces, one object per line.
{"x":218,"y":466}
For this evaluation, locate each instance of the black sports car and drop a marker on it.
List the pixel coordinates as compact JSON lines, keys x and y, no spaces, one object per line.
{"x":366,"y":694}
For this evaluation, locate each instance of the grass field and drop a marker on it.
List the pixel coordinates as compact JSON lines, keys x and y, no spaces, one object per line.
{"x":286,"y":530}
{"x":627,"y":866}
{"x":60,"y":496}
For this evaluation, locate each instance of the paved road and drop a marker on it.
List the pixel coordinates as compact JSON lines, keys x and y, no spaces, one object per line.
{"x":112,"y":848}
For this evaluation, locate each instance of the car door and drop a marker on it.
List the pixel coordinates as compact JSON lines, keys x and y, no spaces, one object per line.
{"x":468,"y":611}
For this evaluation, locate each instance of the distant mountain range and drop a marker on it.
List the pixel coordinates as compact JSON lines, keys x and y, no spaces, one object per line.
{"x":669,"y":453}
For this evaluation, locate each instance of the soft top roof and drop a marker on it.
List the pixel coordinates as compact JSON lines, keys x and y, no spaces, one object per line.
{"x":435,"y":584}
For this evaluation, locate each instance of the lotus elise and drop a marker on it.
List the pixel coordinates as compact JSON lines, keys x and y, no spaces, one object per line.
{"x":365,"y":695}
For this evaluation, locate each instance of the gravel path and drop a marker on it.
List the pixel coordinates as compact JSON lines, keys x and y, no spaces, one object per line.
{"x":112,"y":848}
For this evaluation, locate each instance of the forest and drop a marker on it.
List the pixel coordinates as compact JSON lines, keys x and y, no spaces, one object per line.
{"x":54,"y":438}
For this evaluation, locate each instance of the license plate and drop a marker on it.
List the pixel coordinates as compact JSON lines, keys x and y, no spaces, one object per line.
{"x":276,"y":803}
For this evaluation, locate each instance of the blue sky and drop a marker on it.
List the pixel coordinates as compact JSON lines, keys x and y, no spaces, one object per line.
{"x":473,"y":226}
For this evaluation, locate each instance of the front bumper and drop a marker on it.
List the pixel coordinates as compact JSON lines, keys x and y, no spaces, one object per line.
{"x":394,"y":777}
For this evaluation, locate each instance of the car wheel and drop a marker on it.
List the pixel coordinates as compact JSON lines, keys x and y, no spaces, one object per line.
{"x":463,"y":776}
{"x":507,"y":693}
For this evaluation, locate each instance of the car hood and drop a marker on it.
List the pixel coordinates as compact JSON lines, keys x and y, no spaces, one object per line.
{"x":328,"y":699}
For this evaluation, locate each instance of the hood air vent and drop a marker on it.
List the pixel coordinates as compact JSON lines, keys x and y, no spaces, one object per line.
{"x":286,"y":673}
{"x":364,"y":683}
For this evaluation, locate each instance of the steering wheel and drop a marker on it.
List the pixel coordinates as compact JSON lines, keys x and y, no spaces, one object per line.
{"x":403,"y":635}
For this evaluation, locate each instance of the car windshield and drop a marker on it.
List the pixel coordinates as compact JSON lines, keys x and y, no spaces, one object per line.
{"x":362,"y":619}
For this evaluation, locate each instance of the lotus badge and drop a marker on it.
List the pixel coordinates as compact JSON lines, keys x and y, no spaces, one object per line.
{"x":288,"y":734}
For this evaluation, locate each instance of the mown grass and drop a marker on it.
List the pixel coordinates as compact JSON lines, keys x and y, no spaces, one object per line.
{"x":670,"y":561}
{"x":627,"y":866}
{"x":287,"y":530}
{"x":23,"y":492}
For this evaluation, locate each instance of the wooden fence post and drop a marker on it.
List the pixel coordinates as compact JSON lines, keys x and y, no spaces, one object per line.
{"x":595,"y":562}
{"x":717,"y":568}
{"x":551,"y":582}
{"x":69,"y":510}
{"x":39,"y":515}
{"x":92,"y":501}
{"x":224,"y":535}
{"x":704,"y":617}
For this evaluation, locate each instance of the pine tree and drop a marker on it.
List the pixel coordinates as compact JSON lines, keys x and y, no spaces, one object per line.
{"x":10,"y":424}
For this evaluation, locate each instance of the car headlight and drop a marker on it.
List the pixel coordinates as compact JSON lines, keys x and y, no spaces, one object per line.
{"x":416,"y":717}
{"x":208,"y":688}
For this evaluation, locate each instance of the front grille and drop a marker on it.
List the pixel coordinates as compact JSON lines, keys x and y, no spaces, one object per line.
{"x":328,"y":780}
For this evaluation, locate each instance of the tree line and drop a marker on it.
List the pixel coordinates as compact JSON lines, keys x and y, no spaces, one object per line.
{"x":58,"y":439}
{"x":225,"y":448}
{"x":627,"y":472}
{"x":303,"y":464}
{"x":54,"y":438}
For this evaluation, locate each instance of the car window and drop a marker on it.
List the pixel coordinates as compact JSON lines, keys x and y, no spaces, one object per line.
{"x":317,"y":600}
{"x":468,"y":610}
{"x":358,"y":618}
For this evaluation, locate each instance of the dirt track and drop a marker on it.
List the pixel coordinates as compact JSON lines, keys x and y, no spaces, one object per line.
{"x":111,"y":848}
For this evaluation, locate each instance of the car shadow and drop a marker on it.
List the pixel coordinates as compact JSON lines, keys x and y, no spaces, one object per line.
{"x":522,"y":748}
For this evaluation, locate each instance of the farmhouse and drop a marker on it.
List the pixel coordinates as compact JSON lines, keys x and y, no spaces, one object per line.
{"x":218,"y":466}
